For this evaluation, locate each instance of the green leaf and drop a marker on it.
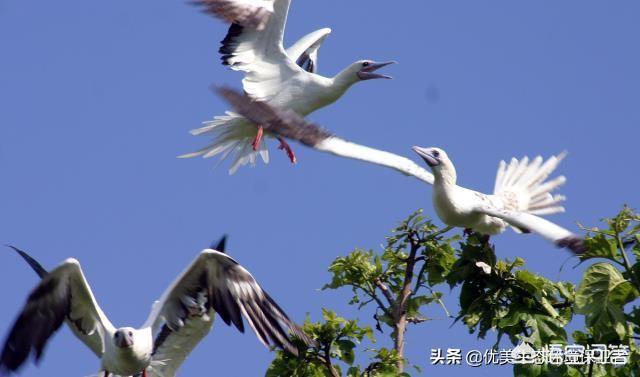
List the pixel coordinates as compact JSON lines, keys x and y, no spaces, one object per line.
{"x":347,"y":350}
{"x":354,"y":372}
{"x":601,"y":298}
{"x":600,"y":246}
{"x":529,"y":281}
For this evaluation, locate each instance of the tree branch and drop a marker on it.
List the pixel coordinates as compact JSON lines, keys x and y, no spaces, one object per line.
{"x":400,"y":317}
{"x":423,"y":269}
{"x":326,"y":360}
{"x":385,"y":291}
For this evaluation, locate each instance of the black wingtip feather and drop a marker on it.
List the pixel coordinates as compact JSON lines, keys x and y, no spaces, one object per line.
{"x":229,"y":43}
{"x":573,"y":243}
{"x":35,"y":325}
{"x":294,"y":329}
{"x":221,"y":245}
{"x":35,"y":265}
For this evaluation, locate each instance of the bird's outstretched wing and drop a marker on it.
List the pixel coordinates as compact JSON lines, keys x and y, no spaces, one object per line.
{"x":62,"y":295}
{"x":287,"y":124}
{"x":260,"y":54}
{"x":305,"y":51}
{"x":215,"y":283}
{"x":560,"y":236}
{"x":249,"y":13}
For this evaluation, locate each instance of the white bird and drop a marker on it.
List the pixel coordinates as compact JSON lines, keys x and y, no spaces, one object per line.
{"x":213,"y":283}
{"x":282,"y":78}
{"x":521,"y":193}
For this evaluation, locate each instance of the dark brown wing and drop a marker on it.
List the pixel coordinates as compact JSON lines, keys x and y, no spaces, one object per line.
{"x":62,"y":294}
{"x":248,"y":13}
{"x":216,"y":283}
{"x":284,"y":123}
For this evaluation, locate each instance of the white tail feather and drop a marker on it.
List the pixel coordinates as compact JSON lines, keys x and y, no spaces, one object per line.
{"x":231,"y":133}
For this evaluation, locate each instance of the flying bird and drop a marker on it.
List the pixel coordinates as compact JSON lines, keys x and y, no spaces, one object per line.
{"x":283,"y":78}
{"x":213,"y":283}
{"x":521,"y":193}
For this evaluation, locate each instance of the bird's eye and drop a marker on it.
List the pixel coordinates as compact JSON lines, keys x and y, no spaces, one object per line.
{"x":435,"y":153}
{"x":366,"y":64}
{"x":130,"y":333}
{"x":117,"y":335}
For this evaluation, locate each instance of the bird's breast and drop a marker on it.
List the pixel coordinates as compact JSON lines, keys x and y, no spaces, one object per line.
{"x":452,"y":209}
{"x":306,"y":96}
{"x":128,"y":361}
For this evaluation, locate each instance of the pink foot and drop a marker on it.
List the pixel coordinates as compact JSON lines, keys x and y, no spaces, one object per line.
{"x":258,"y":139}
{"x":284,"y":146}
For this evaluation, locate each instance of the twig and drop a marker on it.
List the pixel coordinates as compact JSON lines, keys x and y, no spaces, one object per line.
{"x":372,"y":294}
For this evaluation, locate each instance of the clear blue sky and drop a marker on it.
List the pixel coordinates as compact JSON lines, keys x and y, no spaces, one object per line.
{"x":96,"y":99}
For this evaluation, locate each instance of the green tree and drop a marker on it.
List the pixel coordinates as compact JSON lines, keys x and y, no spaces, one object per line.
{"x":494,"y":294}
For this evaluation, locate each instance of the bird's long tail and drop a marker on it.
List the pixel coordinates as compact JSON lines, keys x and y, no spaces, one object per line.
{"x":233,"y":136}
{"x":523,"y":187}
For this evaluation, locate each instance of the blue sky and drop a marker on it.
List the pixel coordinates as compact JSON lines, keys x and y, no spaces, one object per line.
{"x":96,"y":100}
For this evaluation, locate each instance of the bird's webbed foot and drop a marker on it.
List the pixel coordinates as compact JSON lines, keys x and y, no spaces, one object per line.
{"x":256,"y":142}
{"x":285,"y":146}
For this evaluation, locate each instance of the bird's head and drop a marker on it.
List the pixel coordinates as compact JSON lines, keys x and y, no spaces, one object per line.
{"x":366,"y":69}
{"x":438,"y":161}
{"x":124,"y":337}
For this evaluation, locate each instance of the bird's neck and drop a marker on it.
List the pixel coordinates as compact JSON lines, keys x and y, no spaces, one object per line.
{"x":445,"y":177}
{"x":341,"y":82}
{"x":128,"y":361}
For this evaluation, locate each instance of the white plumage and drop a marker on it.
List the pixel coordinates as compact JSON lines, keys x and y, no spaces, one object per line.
{"x":521,"y":191}
{"x":282,"y":78}
{"x":213,"y":283}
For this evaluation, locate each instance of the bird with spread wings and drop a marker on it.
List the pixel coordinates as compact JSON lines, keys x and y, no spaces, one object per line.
{"x":213,"y":284}
{"x":282,"y":77}
{"x":521,"y":193}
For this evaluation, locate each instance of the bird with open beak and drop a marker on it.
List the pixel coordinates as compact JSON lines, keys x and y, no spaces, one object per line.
{"x":286,"y":78}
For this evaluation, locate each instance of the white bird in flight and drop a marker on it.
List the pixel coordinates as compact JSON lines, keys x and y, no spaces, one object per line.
{"x":283,"y":78}
{"x":521,"y":192}
{"x":213,"y":283}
